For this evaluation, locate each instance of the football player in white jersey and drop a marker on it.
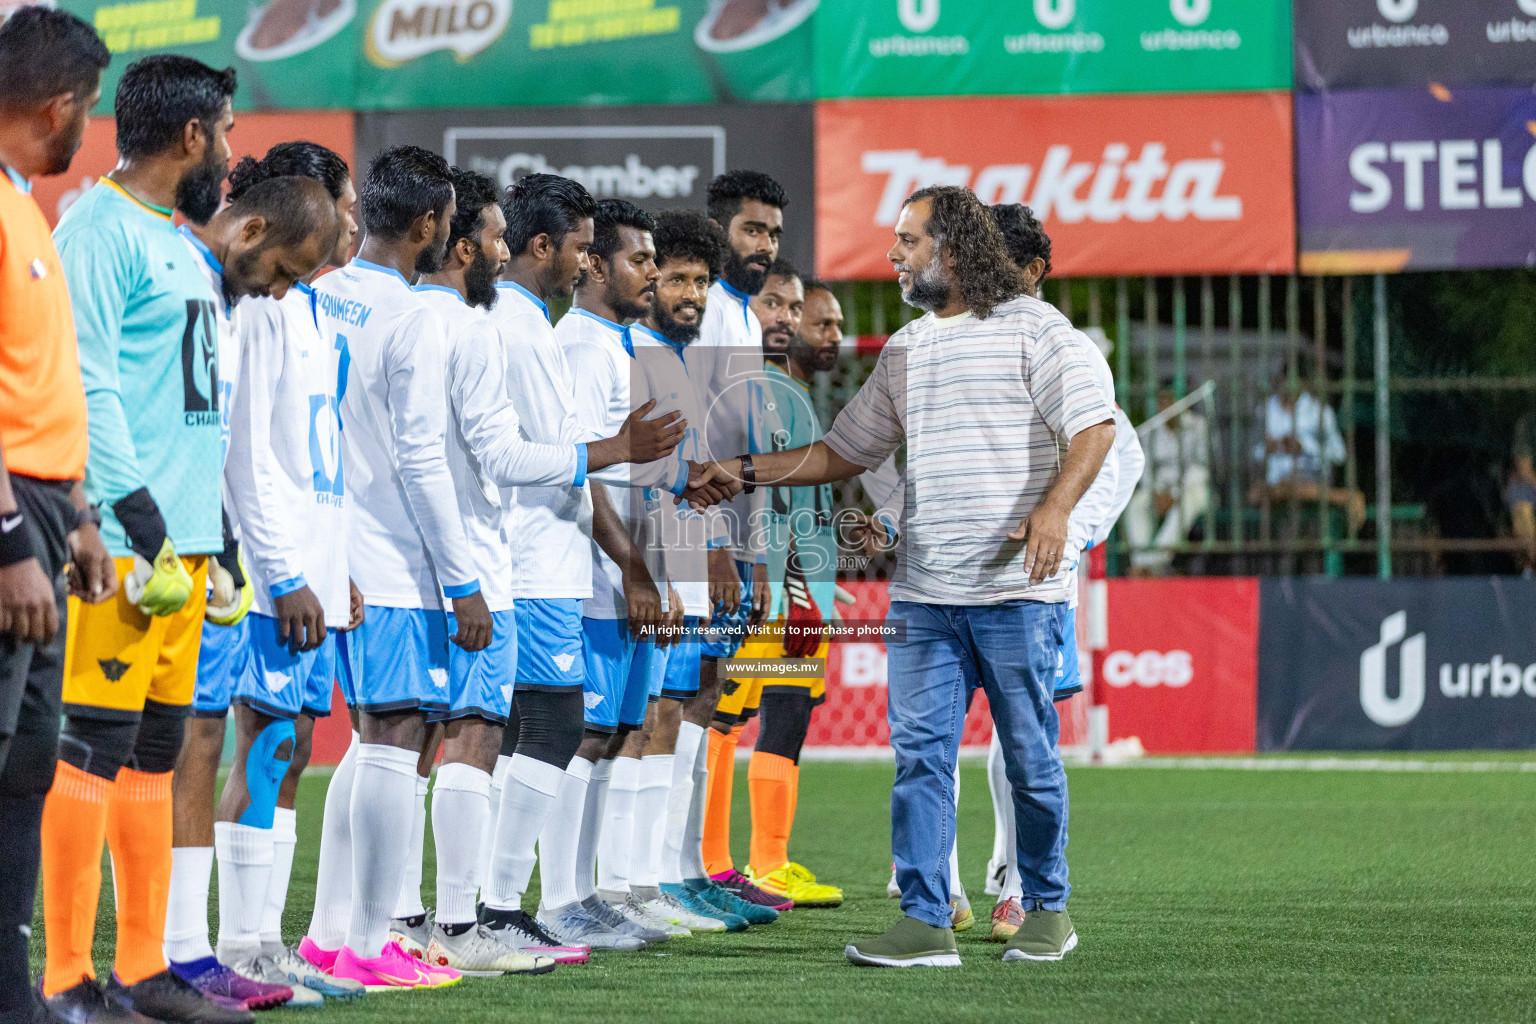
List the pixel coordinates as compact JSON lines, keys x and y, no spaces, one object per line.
{"x":542,"y":780}
{"x":666,"y":872}
{"x":299,"y":226}
{"x":487,"y":451}
{"x":407,"y":550}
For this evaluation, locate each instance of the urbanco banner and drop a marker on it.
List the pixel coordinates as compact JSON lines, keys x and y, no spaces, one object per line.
{"x":976,"y":48}
{"x":656,"y":157}
{"x":1356,"y":44}
{"x":1425,"y":664}
{"x":1416,"y":179}
{"x":1194,"y":183}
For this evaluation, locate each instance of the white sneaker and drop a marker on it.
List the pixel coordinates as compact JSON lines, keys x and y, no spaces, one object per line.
{"x":635,"y":911}
{"x":300,"y":971}
{"x":264,"y":969}
{"x":479,"y":952}
{"x":414,"y":938}
{"x":670,"y":909}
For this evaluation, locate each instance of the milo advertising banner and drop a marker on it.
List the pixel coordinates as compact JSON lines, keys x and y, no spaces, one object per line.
{"x":971,"y":47}
{"x":545,"y":52}
{"x":395,"y":54}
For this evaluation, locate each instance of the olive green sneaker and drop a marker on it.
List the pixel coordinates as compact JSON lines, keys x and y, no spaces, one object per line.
{"x":908,"y":943}
{"x":1044,"y":935}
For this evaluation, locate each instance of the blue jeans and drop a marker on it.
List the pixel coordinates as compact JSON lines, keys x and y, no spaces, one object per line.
{"x":1009,"y":650}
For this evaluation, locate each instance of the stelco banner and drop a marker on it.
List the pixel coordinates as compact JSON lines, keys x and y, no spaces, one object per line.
{"x":384,"y":54}
{"x":656,"y":157}
{"x":965,"y":47}
{"x":1441,"y":664}
{"x":1351,"y":44}
{"x":1423,"y":179}
{"x":1124,"y":185}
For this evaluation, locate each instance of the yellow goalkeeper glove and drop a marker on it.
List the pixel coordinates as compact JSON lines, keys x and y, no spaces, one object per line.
{"x":230,"y":596}
{"x":161,"y":587}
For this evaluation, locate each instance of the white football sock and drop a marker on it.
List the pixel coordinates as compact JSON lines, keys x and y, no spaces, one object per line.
{"x":1002,"y":806}
{"x":285,"y":836}
{"x":591,"y":828}
{"x":616,"y":838}
{"x":488,"y":837}
{"x":382,"y":806}
{"x":333,"y":878}
{"x":186,"y":912}
{"x":679,"y":801}
{"x":561,"y":835}
{"x":245,"y":865}
{"x":691,"y":860}
{"x":460,"y":806}
{"x":408,"y":903}
{"x":652,"y":793}
{"x":526,"y":798}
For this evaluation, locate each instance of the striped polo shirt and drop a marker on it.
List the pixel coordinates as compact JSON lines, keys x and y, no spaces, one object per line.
{"x":981,"y":405}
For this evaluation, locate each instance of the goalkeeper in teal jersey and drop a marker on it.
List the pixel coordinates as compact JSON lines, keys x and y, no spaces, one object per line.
{"x":802,"y":329}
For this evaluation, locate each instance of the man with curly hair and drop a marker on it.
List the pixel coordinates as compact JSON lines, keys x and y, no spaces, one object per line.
{"x":984,"y":389}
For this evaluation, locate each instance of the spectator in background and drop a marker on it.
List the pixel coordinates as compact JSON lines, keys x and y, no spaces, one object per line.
{"x":1301,"y":446}
{"x":1522,"y":486}
{"x":1175,"y":491}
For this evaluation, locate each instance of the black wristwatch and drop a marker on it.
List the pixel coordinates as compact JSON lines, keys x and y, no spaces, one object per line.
{"x":90,"y":514}
{"x":748,"y":475}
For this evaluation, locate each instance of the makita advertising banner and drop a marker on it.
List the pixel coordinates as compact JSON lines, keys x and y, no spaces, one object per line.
{"x":1430,"y":664}
{"x":1125,"y":185}
{"x":390,"y":54}
{"x":1180,"y":663}
{"x":1353,"y":44}
{"x":1416,"y":179}
{"x":972,"y":48}
{"x":656,"y":157}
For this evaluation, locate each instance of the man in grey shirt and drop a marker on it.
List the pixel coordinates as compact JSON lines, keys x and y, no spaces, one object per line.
{"x":986,"y":390}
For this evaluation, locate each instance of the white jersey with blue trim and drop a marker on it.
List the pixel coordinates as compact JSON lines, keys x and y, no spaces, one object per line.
{"x":406,"y":543}
{"x":285,"y":470}
{"x":672,"y":375}
{"x":600,"y":354}
{"x":739,"y":421}
{"x":549,"y":528}
{"x":487,"y":446}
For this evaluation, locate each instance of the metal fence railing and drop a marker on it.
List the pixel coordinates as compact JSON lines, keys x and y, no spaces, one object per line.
{"x":1287,"y":421}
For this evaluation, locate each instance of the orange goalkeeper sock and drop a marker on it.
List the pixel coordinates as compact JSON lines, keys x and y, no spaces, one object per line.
{"x":139,"y":834}
{"x":74,"y":825}
{"x":770,"y":782}
{"x":717,"y":809}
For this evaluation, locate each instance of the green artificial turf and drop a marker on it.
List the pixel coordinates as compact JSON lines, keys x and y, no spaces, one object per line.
{"x":1199,"y":895}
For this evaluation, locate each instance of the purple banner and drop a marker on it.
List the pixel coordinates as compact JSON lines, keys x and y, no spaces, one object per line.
{"x":1422,"y":179}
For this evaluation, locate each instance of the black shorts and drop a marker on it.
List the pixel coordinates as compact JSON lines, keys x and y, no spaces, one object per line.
{"x":32,"y":677}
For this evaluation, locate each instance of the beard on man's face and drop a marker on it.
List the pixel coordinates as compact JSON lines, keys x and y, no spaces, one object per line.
{"x":199,"y":191}
{"x":777,"y":340}
{"x":929,"y":289}
{"x":63,"y":147}
{"x":236,"y":280}
{"x":480,"y":280}
{"x":433,"y":258}
{"x":747,"y":274}
{"x":675,"y":330}
{"x":631,"y":308}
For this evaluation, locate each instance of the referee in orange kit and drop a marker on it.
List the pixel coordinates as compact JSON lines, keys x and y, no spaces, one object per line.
{"x":50,"y":78}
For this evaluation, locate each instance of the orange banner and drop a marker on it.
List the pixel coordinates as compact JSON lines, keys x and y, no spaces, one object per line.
{"x":1125,"y":185}
{"x":253,"y":134}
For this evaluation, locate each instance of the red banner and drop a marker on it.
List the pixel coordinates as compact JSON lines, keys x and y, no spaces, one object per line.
{"x":1180,"y":670}
{"x":1125,"y":185}
{"x":253,"y":134}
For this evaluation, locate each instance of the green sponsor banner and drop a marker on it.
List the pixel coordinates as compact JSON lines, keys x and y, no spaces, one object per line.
{"x":993,"y":47}
{"x":555,"y":52}
{"x":399,"y":54}
{"x":297,"y":54}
